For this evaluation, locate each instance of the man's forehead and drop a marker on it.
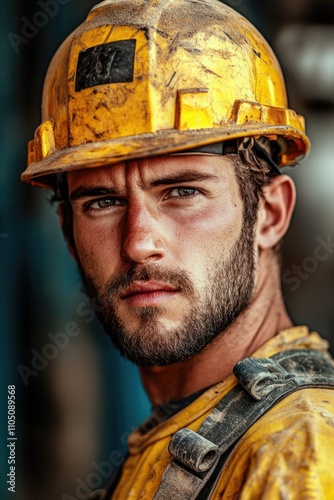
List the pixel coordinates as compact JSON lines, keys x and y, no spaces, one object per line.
{"x":149,"y":170}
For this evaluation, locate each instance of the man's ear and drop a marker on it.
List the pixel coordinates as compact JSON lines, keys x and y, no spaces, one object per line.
{"x":275,"y":211}
{"x":65,"y":218}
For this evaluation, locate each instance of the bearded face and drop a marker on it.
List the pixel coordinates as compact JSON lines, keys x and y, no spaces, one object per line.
{"x":165,"y":253}
{"x":226,"y":294}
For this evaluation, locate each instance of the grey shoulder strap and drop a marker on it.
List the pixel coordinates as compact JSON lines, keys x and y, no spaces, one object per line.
{"x":199,"y":457}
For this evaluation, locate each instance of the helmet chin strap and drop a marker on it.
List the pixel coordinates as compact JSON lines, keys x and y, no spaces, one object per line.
{"x":262,"y":153}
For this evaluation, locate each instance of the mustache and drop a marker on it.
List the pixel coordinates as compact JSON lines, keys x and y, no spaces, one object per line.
{"x":177,"y":278}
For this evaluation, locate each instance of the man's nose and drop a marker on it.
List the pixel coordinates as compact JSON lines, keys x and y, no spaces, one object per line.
{"x":142,"y":235}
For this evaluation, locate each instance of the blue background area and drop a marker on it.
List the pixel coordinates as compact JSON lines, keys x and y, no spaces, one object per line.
{"x":40,"y":287}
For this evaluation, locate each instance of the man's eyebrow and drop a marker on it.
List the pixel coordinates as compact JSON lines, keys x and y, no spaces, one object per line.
{"x":88,"y":191}
{"x":84,"y":191}
{"x":188,"y":176}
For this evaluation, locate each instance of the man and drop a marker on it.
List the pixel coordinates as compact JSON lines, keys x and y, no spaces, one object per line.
{"x":164,"y":127}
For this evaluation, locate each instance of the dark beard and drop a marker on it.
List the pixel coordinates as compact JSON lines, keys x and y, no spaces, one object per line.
{"x":227,"y":294}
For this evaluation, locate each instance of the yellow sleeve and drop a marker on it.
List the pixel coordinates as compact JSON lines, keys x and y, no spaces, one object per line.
{"x":286,"y":455}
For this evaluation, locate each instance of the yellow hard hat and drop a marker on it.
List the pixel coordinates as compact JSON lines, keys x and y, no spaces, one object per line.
{"x":142,"y":78}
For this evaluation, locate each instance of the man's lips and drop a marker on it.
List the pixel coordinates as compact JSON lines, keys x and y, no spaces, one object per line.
{"x":146,"y":287}
{"x":148,"y":293}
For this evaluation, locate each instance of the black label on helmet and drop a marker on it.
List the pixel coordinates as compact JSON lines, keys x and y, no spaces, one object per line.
{"x":108,"y":63}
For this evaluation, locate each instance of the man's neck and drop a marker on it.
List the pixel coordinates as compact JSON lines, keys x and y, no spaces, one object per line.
{"x":265,"y":316}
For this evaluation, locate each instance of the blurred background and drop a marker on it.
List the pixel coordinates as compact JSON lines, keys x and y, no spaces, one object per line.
{"x":77,"y":400}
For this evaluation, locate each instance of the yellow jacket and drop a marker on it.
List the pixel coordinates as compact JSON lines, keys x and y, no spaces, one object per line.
{"x":287,"y":454}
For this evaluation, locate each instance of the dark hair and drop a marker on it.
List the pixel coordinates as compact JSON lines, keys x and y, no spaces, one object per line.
{"x":253,"y":174}
{"x":61,"y":196}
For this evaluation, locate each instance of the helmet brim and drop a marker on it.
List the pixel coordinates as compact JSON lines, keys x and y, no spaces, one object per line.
{"x":107,"y":153}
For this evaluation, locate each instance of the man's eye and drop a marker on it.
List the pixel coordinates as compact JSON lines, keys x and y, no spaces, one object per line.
{"x":104,"y":203}
{"x":182,"y":192}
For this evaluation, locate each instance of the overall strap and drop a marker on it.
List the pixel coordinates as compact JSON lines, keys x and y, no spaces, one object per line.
{"x":199,"y":457}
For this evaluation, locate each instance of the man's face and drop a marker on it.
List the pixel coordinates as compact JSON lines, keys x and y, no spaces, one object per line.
{"x":163,"y":251}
